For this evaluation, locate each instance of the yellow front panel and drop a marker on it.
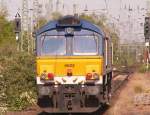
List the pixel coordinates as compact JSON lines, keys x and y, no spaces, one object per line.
{"x":48,"y":68}
{"x":80,"y":65}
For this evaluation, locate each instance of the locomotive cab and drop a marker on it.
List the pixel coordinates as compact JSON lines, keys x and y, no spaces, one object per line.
{"x":73,"y":65}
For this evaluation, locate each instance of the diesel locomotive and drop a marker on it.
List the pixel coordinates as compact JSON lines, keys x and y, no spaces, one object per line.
{"x":74,"y":65}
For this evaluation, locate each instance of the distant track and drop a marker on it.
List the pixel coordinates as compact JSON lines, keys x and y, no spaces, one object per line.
{"x":120,"y":77}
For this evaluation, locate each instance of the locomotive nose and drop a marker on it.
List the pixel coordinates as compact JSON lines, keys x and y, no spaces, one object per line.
{"x":70,"y":67}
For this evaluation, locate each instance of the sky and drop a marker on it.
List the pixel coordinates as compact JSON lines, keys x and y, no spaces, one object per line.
{"x":113,"y":5}
{"x":129,"y":23}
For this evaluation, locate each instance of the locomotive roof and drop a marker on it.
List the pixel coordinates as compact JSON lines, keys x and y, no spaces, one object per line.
{"x":84,"y":24}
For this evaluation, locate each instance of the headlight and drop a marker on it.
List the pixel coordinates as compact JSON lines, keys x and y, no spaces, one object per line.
{"x":92,"y":76}
{"x":88,"y":76}
{"x":48,"y":76}
{"x":69,"y":31}
{"x":95,"y":76}
{"x":93,"y":90}
{"x":43,"y":76}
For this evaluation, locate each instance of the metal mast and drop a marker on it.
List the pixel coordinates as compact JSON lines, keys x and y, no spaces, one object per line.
{"x":148,"y":7}
{"x":25,"y":22}
{"x":25,"y":15}
{"x":147,"y":35}
{"x":57,"y":6}
{"x":49,"y":9}
{"x":75,"y":9}
{"x":1,"y":4}
{"x":35,"y":13}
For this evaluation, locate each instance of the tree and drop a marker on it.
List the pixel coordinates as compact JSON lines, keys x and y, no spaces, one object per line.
{"x":56,"y":15}
{"x":42,"y":21}
{"x":6,"y":28}
{"x":17,"y":83}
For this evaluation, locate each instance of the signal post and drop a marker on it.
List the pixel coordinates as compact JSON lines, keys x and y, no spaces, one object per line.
{"x":18,"y":30}
{"x":147,"y":40}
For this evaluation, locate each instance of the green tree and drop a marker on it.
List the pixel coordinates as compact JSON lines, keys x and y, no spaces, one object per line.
{"x":42,"y":21}
{"x":88,"y":17}
{"x":6,"y":29}
{"x":17,"y":79}
{"x":56,"y":15}
{"x":17,"y":83}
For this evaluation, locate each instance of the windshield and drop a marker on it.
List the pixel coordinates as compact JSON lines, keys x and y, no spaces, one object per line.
{"x":85,"y":45}
{"x":53,"y":45}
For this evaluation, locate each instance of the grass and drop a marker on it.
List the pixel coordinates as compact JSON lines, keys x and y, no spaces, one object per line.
{"x":143,"y":68}
{"x":138,"y":89}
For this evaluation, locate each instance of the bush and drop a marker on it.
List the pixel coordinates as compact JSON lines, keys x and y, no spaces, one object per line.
{"x":17,"y":84}
{"x":138,"y":89}
{"x":18,"y":79}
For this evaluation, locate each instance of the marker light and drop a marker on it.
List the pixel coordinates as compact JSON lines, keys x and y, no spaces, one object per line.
{"x":88,"y":76}
{"x":50,"y":76}
{"x":69,"y":72}
{"x":43,"y":76}
{"x":92,"y":76}
{"x":69,"y":31}
{"x":95,"y":76}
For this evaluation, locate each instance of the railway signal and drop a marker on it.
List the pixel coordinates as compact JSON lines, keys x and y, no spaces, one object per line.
{"x":147,"y":40}
{"x":17,"y":27}
{"x":17,"y":23}
{"x":147,"y":28}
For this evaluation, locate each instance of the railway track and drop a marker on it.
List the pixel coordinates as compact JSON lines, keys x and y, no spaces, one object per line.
{"x":119,"y":79}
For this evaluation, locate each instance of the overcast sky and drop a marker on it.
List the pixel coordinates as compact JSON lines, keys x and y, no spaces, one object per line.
{"x":113,"y":5}
{"x":116,"y":8}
